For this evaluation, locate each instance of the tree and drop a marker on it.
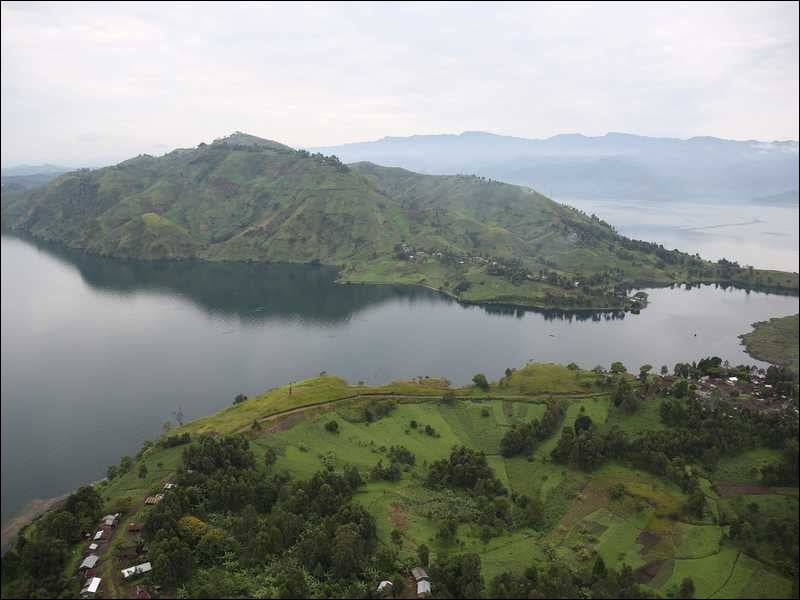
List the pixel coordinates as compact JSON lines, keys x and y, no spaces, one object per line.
{"x":62,"y":525}
{"x":480,"y":381}
{"x":397,"y":537}
{"x":695,"y":504}
{"x":599,"y":570}
{"x":664,"y":370}
{"x":423,"y":555}
{"x":125,"y":464}
{"x":270,"y":456}
{"x":687,"y":588}
{"x":142,"y":471}
{"x":459,"y":575}
{"x":618,"y":368}
{"x":643,"y":371}
{"x":332,"y":426}
{"x":239,"y":398}
{"x":111,"y":471}
{"x":172,"y":560}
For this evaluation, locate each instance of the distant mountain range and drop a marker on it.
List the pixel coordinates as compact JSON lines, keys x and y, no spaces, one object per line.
{"x":33,"y":170}
{"x":244,"y":198}
{"x":616,"y":165}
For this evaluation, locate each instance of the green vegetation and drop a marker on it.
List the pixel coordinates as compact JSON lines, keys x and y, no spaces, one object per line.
{"x":539,"y":486}
{"x":243,"y":198}
{"x":776,"y":341}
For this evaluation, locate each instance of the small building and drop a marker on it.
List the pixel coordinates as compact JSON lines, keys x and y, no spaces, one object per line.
{"x":733,"y":379}
{"x":418,"y":573}
{"x":135,"y":527}
{"x":99,"y":535}
{"x":423,"y":589}
{"x":384,"y":586}
{"x":170,"y":486}
{"x":91,"y":588}
{"x":154,"y":499}
{"x":89,"y":562}
{"x":110,"y":520}
{"x":137,"y":570}
{"x":93,"y":547}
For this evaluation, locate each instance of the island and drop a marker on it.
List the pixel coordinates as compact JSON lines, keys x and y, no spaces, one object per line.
{"x":553,"y":481}
{"x":247,"y":199}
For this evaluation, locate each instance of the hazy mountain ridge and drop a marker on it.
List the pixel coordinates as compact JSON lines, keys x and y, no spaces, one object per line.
{"x":616,"y":165}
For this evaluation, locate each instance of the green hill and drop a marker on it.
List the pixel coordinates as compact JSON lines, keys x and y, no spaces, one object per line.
{"x":243,"y":198}
{"x":322,"y":489}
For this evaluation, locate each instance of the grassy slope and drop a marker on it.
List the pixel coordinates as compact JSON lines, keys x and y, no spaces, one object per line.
{"x":243,"y":199}
{"x":776,"y":341}
{"x":580,"y":519}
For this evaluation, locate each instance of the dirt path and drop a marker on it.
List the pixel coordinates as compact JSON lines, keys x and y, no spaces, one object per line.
{"x":110,"y":571}
{"x":428,"y":397}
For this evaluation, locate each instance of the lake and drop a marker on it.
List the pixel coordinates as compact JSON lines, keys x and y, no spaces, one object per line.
{"x":760,"y":235}
{"x":97,"y":354}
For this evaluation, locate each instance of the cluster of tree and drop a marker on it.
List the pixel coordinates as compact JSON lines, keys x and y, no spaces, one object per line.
{"x":558,"y":580}
{"x":697,"y":435}
{"x":466,"y":469}
{"x":780,"y":535}
{"x":125,"y":465}
{"x":391,"y":473}
{"x":522,"y":439}
{"x":377,"y":409}
{"x":176,"y":440}
{"x":401,"y":454}
{"x":34,"y":567}
{"x":784,"y":472}
{"x":288,"y":533}
{"x":330,"y":161}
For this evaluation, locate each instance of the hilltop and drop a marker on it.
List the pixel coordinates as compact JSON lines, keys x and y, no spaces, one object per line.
{"x":244,"y":198}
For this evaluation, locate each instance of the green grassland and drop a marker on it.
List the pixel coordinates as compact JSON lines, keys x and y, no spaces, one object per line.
{"x":776,"y":341}
{"x":243,"y":198}
{"x":643,"y":529}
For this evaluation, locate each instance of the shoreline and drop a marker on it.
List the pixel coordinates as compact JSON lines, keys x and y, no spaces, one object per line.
{"x":29,"y":512}
{"x":534,"y":305}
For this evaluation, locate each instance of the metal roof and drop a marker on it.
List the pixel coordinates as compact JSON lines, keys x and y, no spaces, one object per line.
{"x":89,"y":562}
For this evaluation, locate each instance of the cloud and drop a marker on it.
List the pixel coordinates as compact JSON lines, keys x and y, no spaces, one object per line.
{"x":92,"y":82}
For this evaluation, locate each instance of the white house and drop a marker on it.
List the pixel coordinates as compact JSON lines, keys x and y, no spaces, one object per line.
{"x":91,"y":587}
{"x":137,"y":570}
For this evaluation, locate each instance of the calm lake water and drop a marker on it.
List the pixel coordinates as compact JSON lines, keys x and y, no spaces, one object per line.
{"x":760,"y":235}
{"x":97,"y":354}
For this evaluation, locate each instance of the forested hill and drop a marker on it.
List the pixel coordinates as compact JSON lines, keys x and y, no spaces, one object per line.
{"x":244,"y":198}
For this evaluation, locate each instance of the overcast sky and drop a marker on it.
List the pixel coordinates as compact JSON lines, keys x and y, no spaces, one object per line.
{"x":100,"y":82}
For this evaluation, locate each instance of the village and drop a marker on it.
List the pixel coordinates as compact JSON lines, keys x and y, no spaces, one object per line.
{"x":99,"y":548}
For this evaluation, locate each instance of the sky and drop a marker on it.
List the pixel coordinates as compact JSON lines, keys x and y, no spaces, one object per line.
{"x":85,"y":84}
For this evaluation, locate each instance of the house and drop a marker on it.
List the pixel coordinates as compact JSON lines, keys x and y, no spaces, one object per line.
{"x":91,"y":588}
{"x":110,"y":520}
{"x":137,"y":570}
{"x":418,"y":573}
{"x":93,"y":547}
{"x":170,"y":486}
{"x":99,"y":535}
{"x":384,"y":586}
{"x":154,"y":499}
{"x":89,"y":562}
{"x":135,"y":527}
{"x":423,"y":588}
